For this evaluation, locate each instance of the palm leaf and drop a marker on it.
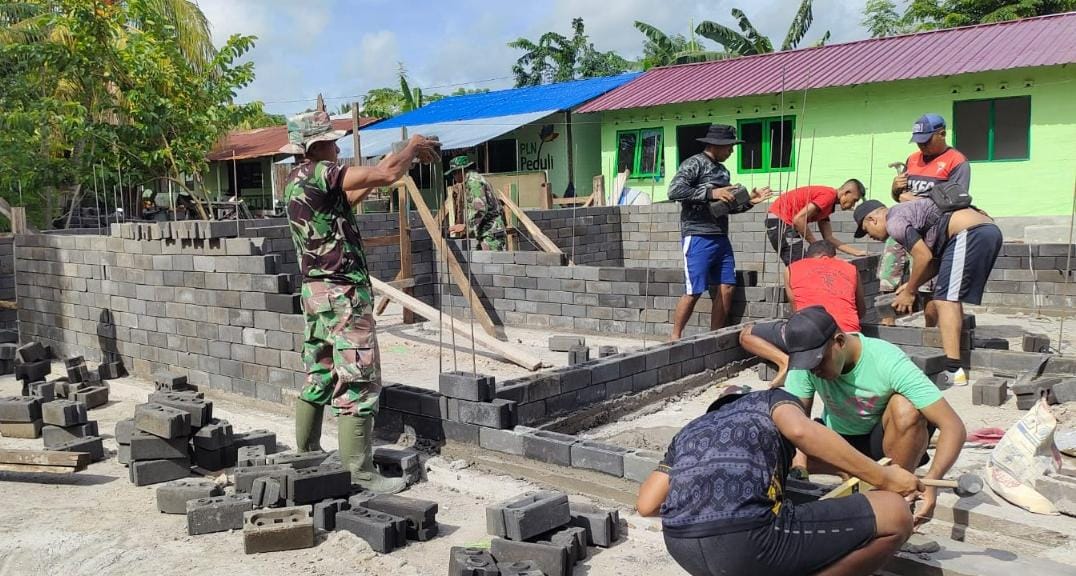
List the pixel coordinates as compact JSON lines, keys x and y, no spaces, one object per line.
{"x":733,"y":41}
{"x":759,"y":43}
{"x":822,"y":41}
{"x":801,"y":22}
{"x":191,"y":28}
{"x":659,"y":38}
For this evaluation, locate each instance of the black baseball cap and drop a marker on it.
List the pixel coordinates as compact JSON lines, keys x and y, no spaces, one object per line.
{"x":807,"y":333}
{"x":861,"y":213}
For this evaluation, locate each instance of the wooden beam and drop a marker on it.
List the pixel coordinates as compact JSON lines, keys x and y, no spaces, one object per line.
{"x":381,"y":241}
{"x":540,"y":238}
{"x":5,"y":209}
{"x":8,"y":305}
{"x":406,"y":272}
{"x":44,"y":459}
{"x":599,"y":190}
{"x":510,"y":352}
{"x":454,"y":269}
{"x":851,"y":485}
{"x":546,"y":196}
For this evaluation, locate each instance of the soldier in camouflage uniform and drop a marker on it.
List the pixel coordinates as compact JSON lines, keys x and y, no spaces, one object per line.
{"x":478,"y":210}
{"x":340,"y":347}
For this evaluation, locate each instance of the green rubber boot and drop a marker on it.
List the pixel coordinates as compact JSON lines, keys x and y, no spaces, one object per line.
{"x":308,"y":419}
{"x":357,"y":453}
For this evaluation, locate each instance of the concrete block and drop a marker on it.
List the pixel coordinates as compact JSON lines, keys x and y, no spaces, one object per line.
{"x":256,"y":437}
{"x":217,"y":514}
{"x":244,"y":477}
{"x":31,"y":352}
{"x":381,"y":531}
{"x":358,"y":499}
{"x":44,"y":391}
{"x":124,"y":430}
{"x":602,"y":526}
{"x":250,"y":456}
{"x":398,"y":463}
{"x":471,"y":562}
{"x":521,"y":568}
{"x":989,"y":343}
{"x":310,"y":485}
{"x":551,"y":560}
{"x":162,"y":421}
{"x":1065,"y":391}
{"x":606,"y":351}
{"x":549,"y":447}
{"x":213,"y":436}
{"x":146,"y":472}
{"x":172,"y":497}
{"x":638,"y":464}
{"x":562,"y":343}
{"x":989,"y":391}
{"x":604,"y":458}
{"x":325,"y":513}
{"x":507,"y":441}
{"x":527,"y":515}
{"x":7,"y":351}
{"x":578,"y":355}
{"x":20,"y":409}
{"x":92,"y":397}
{"x":200,"y":409}
{"x":298,"y":460}
{"x":572,"y":538}
{"x":467,"y":386}
{"x":78,"y":373}
{"x":213,"y":459}
{"x":21,"y":429}
{"x":281,"y":529}
{"x":146,"y":446}
{"x":64,"y":413}
{"x":111,"y":370}
{"x":1036,"y":343}
{"x":170,"y":381}
{"x":421,"y":515}
{"x":499,"y":413}
{"x":266,"y":492}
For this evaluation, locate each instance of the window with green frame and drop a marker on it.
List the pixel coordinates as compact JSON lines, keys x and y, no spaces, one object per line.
{"x":767,"y":144}
{"x":640,"y":151}
{"x":992,"y":130}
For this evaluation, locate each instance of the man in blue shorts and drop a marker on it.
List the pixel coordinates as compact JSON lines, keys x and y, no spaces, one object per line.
{"x":702,"y":187}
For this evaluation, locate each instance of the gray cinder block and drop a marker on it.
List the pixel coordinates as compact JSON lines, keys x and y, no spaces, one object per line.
{"x":172,"y":497}
{"x":528,"y":515}
{"x":217,"y":514}
{"x":162,"y":421}
{"x":604,"y":458}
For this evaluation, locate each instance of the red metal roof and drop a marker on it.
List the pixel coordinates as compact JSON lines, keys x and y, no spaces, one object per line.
{"x":1042,"y":41}
{"x":246,"y":144}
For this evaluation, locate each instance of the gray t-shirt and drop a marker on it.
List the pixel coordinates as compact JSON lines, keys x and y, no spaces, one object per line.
{"x":908,"y":222}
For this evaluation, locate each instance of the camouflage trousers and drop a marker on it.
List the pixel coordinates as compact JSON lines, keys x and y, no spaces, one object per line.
{"x":891,"y":267}
{"x":493,"y":241}
{"x":340,"y":350}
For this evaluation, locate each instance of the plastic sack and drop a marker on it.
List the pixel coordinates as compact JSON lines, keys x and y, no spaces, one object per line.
{"x":1025,"y":453}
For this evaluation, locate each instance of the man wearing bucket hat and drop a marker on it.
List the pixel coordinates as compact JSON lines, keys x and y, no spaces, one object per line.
{"x":477,"y":209}
{"x":340,"y":350}
{"x":874,"y":396}
{"x":702,"y":187}
{"x":720,"y":493}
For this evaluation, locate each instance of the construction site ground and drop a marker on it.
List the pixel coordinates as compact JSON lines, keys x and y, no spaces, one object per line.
{"x":97,"y":522}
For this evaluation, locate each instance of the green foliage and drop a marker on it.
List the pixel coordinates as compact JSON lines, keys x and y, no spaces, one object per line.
{"x":932,"y":14}
{"x":661,"y":49}
{"x":750,"y":41}
{"x":95,"y":88}
{"x":881,"y":19}
{"x":259,"y":118}
{"x":557,"y":58}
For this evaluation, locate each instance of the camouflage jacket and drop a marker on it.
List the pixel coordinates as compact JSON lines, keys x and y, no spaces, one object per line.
{"x":323,"y":226}
{"x":483,"y":212}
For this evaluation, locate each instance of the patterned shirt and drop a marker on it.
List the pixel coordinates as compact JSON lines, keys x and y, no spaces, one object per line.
{"x":727,"y":468}
{"x":323,"y":226}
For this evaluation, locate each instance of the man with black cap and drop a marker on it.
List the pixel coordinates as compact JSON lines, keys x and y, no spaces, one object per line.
{"x":720,"y":493}
{"x":958,"y":248}
{"x":874,"y":396}
{"x":702,"y":187}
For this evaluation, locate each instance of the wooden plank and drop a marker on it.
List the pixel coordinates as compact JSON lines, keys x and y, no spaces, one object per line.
{"x":461,"y":279}
{"x":546,"y":196}
{"x":510,"y":352}
{"x":618,"y":186}
{"x":18,"y":220}
{"x":44,"y":457}
{"x":5,"y":209}
{"x":852,"y":485}
{"x":406,"y":271}
{"x":402,"y":284}
{"x":599,"y":190}
{"x":8,"y":305}
{"x":536,"y":233}
{"x":569,"y":201}
{"x":32,"y":469}
{"x":381,"y":241}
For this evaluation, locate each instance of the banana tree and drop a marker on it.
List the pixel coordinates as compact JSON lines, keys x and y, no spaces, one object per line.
{"x":749,"y":40}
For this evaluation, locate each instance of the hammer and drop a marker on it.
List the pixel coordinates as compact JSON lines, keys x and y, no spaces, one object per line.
{"x":965,"y":485}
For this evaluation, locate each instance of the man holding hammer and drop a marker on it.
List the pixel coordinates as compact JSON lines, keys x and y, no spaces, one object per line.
{"x":340,"y":349}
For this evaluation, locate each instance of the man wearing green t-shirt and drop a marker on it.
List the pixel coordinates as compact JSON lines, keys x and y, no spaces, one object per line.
{"x":874,"y":396}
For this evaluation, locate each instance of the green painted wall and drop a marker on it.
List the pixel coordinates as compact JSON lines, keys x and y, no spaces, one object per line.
{"x":856,"y":132}
{"x":586,"y":145}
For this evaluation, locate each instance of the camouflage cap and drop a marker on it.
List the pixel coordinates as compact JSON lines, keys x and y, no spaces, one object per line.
{"x":309,"y":127}
{"x":459,"y":163}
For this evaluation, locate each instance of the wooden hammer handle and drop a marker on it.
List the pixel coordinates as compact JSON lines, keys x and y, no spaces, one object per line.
{"x":940,"y":483}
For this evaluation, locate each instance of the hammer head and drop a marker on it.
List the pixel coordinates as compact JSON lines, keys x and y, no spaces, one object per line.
{"x":968,"y":485}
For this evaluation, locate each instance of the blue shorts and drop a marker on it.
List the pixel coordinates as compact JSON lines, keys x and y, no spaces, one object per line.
{"x":708,"y":259}
{"x":966,"y":263}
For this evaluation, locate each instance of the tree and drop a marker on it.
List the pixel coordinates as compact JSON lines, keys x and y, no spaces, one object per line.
{"x":96,"y":88}
{"x":932,"y":14}
{"x":881,"y":19}
{"x":750,"y":41}
{"x":556,"y":58}
{"x":661,"y":49}
{"x":259,"y":118}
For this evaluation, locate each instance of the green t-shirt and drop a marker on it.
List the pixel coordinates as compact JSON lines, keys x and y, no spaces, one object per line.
{"x":855,"y":401}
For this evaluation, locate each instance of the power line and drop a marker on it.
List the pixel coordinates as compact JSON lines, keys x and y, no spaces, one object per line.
{"x":354,"y":96}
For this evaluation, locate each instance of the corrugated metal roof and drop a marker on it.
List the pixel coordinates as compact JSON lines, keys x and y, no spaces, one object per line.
{"x":453,"y":135}
{"x":560,"y":96}
{"x":260,"y":142}
{"x":1043,"y":41}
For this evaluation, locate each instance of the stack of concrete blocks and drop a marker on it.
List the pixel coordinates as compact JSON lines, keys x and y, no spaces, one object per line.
{"x":922,"y":345}
{"x":32,"y":364}
{"x":543,"y":530}
{"x":20,"y":417}
{"x":83,"y":384}
{"x":7,"y":358}
{"x":159,"y":444}
{"x":8,"y":318}
{"x":1032,"y":276}
{"x":468,"y":401}
{"x":387,"y":522}
{"x":189,"y":297}
{"x":69,"y":430}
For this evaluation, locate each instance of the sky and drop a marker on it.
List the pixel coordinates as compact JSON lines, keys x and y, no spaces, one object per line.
{"x":343,"y":48}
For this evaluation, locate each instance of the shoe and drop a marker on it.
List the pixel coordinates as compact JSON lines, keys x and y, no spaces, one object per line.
{"x":308,"y":419}
{"x":958,"y":378}
{"x":357,"y":453}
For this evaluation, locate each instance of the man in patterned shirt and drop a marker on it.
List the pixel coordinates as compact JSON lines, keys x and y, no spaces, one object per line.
{"x":477,"y":209}
{"x":340,"y":348}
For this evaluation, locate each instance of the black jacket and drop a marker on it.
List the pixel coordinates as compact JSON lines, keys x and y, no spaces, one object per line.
{"x":691,"y":186}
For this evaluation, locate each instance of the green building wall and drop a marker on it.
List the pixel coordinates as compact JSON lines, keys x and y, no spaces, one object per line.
{"x":855,"y":132}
